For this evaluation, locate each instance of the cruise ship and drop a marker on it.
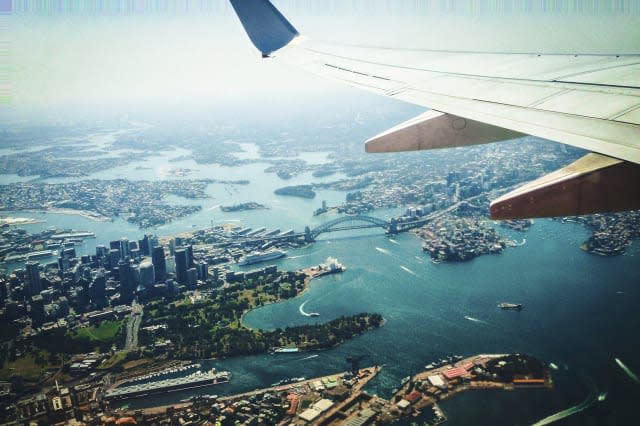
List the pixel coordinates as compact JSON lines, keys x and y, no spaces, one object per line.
{"x":257,"y":256}
{"x":194,"y":380}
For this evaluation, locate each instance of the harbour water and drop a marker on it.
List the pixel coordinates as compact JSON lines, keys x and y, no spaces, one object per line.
{"x":580,"y":310}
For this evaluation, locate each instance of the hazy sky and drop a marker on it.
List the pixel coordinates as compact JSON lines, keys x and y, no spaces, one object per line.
{"x":93,"y":53}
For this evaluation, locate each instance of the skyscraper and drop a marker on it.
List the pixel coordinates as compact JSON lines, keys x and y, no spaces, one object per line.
{"x":127,"y":281}
{"x":147,"y":273}
{"x":182,"y":264}
{"x":124,"y":248}
{"x":145,"y":245}
{"x":97,"y":290}
{"x":32,"y":278}
{"x":159,"y":263}
{"x":192,"y":278}
{"x":203,"y":270}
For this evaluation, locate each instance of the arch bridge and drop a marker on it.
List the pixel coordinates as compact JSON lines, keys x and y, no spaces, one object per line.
{"x":346,"y":223}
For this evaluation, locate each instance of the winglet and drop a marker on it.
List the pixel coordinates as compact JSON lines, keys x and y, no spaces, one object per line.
{"x":265,"y":25}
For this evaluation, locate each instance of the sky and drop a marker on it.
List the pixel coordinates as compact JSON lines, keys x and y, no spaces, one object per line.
{"x":113,"y":54}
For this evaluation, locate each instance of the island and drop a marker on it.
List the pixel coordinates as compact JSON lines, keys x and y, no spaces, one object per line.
{"x":251,"y":205}
{"x":302,"y":191}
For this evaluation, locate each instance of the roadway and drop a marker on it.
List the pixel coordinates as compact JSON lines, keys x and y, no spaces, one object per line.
{"x":133,"y":326}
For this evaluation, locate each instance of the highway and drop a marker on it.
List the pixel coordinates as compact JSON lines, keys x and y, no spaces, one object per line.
{"x":133,"y":326}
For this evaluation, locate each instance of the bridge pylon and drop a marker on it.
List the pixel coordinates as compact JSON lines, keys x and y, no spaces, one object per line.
{"x":308,"y":236}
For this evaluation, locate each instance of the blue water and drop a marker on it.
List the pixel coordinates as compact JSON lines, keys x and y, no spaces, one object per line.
{"x":574,"y":316}
{"x":580,"y":310}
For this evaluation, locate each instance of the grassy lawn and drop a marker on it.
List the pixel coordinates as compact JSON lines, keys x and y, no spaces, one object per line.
{"x":104,"y":332}
{"x":24,"y":366}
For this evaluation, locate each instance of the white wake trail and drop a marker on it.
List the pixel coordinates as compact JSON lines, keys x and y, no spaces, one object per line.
{"x":404,"y":268}
{"x":627,"y":370}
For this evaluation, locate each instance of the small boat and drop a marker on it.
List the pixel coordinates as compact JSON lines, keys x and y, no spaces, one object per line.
{"x":511,"y":306}
{"x":314,"y":314}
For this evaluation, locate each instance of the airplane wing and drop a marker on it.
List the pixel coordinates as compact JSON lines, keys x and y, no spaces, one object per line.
{"x":588,"y":101}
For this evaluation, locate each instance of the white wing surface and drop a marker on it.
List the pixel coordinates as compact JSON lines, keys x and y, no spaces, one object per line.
{"x":588,"y":101}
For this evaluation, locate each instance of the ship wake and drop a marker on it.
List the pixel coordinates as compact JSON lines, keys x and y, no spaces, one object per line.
{"x":568,"y":412}
{"x":467,"y":317}
{"x":627,"y":370}
{"x":404,"y":268}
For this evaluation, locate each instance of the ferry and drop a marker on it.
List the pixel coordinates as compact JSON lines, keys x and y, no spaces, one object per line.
{"x":286,"y":350}
{"x":511,"y":306}
{"x":257,"y":256}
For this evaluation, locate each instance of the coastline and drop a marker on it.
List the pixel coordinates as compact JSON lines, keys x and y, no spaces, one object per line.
{"x":96,"y":217}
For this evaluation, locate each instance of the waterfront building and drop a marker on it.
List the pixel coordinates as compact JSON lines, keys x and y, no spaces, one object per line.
{"x":32,"y":278}
{"x":159,"y":263}
{"x":114,"y":258}
{"x":182,"y":264}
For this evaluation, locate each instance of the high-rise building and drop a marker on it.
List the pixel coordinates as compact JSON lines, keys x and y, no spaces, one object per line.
{"x":101,"y":251}
{"x":127,"y":281}
{"x":114,"y":258}
{"x":69,"y":253}
{"x":159,"y":263}
{"x":97,"y":290}
{"x":189,"y":249}
{"x":203,"y":270}
{"x":37,"y":310}
{"x":124,"y":248}
{"x":192,"y":278}
{"x":32,"y":278}
{"x":145,"y":245}
{"x":147,"y":274}
{"x":182,"y":264}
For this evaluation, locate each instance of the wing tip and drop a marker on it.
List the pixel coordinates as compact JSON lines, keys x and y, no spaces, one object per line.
{"x":266,"y":27}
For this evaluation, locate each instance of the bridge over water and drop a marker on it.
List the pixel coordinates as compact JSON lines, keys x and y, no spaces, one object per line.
{"x":346,"y":223}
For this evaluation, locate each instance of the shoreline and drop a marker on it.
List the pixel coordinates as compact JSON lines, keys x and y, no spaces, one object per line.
{"x":96,"y":217}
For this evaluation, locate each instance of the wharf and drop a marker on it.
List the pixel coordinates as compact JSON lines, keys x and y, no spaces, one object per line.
{"x":444,"y":381}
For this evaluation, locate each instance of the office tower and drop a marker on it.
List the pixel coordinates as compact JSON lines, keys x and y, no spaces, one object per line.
{"x":97,"y":290}
{"x":182,"y":264}
{"x":124,"y":248}
{"x":189,"y":249}
{"x":127,"y":281}
{"x":192,"y":278}
{"x":147,"y":273}
{"x":37,"y":310}
{"x":114,"y":258}
{"x":203,"y":270}
{"x":32,"y":278}
{"x":101,"y":251}
{"x":159,"y":263}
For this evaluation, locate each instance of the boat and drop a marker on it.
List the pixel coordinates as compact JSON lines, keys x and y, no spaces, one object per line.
{"x":511,"y":306}
{"x":314,"y":314}
{"x":286,"y":350}
{"x":257,"y":256}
